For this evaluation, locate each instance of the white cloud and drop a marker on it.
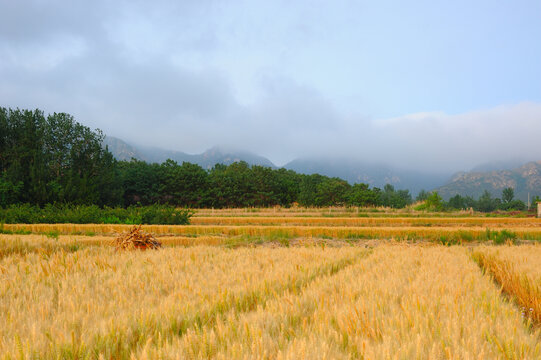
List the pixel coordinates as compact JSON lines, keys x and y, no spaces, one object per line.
{"x":281,"y":79}
{"x":438,"y":140}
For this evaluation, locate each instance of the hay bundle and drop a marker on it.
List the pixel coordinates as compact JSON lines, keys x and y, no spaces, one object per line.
{"x":136,"y":239}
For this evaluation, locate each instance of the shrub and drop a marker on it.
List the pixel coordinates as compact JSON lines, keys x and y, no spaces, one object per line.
{"x":500,"y":237}
{"x":58,"y":214}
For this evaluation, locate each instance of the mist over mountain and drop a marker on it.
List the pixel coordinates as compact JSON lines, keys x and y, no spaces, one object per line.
{"x":356,"y":171}
{"x":122,"y":150}
{"x":351,"y":170}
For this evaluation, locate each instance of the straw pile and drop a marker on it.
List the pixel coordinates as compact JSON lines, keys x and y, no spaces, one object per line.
{"x":136,"y":239}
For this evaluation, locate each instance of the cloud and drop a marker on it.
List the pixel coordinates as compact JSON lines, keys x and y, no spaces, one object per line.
{"x":194,"y":74}
{"x":438,"y":140}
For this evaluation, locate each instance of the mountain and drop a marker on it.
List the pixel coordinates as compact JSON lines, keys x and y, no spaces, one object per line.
{"x":121,"y":150}
{"x":524,"y":179}
{"x":221,"y":155}
{"x":355,"y":171}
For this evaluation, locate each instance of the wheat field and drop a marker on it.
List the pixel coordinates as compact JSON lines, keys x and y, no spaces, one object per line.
{"x":402,"y":232}
{"x":273,"y":288}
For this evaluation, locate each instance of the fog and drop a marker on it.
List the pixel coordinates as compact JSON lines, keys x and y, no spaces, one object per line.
{"x":433,"y":87}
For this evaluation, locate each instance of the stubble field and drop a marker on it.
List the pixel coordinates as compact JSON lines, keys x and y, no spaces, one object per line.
{"x":298,"y":284}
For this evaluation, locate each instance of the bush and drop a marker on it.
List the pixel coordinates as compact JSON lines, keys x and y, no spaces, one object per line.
{"x":59,"y":214}
{"x":503,"y":236}
{"x":500,"y":237}
{"x":432,"y":202}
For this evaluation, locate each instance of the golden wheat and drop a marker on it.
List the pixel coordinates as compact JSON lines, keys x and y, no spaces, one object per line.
{"x":100,"y":302}
{"x":399,"y":303}
{"x":366,"y":221}
{"x":455,"y":233}
{"x":517,"y":270}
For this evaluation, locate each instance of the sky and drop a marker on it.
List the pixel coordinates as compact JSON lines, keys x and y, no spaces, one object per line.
{"x":426,"y":85}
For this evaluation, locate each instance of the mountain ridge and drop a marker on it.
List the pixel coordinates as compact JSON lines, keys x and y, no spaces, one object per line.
{"x":525,"y":179}
{"x":494,"y":177}
{"x":375,"y":175}
{"x":122,"y":150}
{"x":351,"y":170}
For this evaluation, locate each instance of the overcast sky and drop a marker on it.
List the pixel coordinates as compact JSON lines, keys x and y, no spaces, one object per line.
{"x":441,"y":85}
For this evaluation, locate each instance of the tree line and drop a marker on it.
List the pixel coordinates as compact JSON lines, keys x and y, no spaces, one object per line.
{"x":53,"y":159}
{"x":485,"y":203}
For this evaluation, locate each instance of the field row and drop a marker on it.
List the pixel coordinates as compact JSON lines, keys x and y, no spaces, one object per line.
{"x":444,"y":234}
{"x":403,"y":302}
{"x":517,"y":271}
{"x":366,"y":221}
{"x":333,"y":211}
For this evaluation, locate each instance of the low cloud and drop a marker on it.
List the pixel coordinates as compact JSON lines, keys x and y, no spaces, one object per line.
{"x":462,"y":141}
{"x":177,"y":75}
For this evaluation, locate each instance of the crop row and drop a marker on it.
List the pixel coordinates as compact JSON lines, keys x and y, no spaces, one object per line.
{"x":366,"y":221}
{"x":213,"y":303}
{"x":445,"y":234}
{"x":98,"y":302}
{"x":398,"y":303}
{"x":516,"y":270}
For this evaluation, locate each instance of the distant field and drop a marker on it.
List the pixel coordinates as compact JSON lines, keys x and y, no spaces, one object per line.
{"x":366,"y":221}
{"x":270,"y":228}
{"x":268,"y":287}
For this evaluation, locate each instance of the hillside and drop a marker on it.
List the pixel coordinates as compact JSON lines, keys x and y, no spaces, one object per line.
{"x":351,"y":170}
{"x":524,"y":179}
{"x":355,"y":171}
{"x":121,"y":150}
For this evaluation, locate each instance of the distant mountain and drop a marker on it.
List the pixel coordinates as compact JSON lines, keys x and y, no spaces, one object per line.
{"x":524,"y":179}
{"x":355,"y":171}
{"x":224,"y":156}
{"x":121,"y":150}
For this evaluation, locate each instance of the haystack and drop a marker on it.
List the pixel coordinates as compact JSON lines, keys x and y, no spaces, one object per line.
{"x":136,"y":239}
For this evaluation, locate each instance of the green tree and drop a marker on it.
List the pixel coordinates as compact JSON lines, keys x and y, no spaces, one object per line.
{"x":457,"y":202}
{"x":433,"y":202}
{"x":486,"y":203}
{"x":395,"y":198}
{"x":422,"y":196}
{"x":331,"y":191}
{"x":507,"y":195}
{"x":183,"y":185}
{"x":361,"y":195}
